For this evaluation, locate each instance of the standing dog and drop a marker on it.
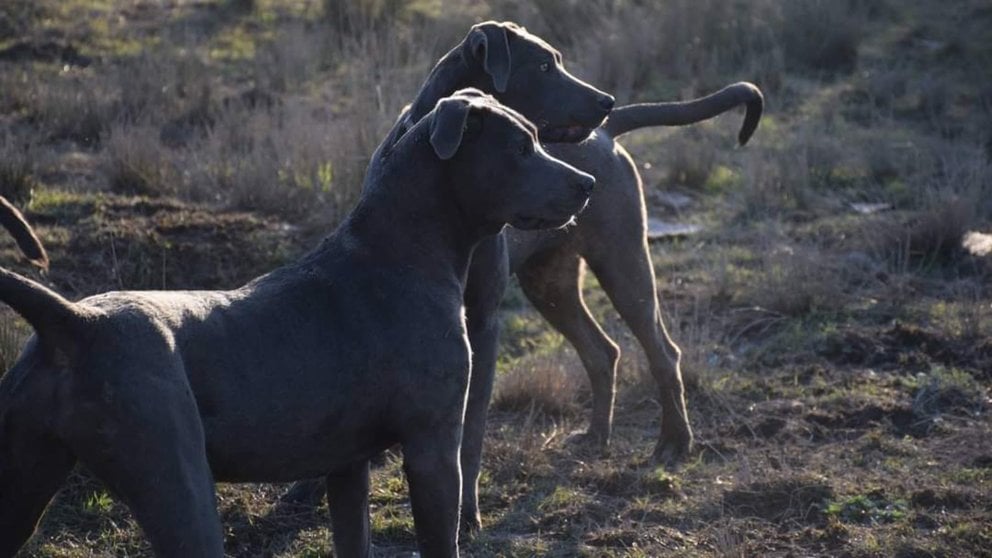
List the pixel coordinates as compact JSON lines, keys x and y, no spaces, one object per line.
{"x":309,"y":370}
{"x":524,"y":72}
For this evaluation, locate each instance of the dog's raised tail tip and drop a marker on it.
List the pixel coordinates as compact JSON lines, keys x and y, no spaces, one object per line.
{"x":754,"y":102}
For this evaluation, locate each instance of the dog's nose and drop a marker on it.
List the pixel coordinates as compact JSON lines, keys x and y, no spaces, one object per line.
{"x":606,"y":102}
{"x":584,"y":183}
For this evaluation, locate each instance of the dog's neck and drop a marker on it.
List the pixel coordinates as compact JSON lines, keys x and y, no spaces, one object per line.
{"x":456,"y":70}
{"x":435,"y":235}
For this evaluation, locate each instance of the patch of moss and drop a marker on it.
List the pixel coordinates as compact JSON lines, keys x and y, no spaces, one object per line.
{"x":871,"y":508}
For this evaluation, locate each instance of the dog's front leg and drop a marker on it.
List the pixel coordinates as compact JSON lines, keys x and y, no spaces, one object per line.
{"x":487,"y":280}
{"x":434,"y":475}
{"x":348,"y":503}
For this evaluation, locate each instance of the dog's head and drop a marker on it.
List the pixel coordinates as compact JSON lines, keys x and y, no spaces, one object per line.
{"x":524,"y":72}
{"x":500,"y":173}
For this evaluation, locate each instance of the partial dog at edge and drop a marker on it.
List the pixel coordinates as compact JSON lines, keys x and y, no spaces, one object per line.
{"x":18,"y":227}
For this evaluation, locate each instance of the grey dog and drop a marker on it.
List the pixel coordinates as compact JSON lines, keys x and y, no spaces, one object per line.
{"x":526,"y":73}
{"x":308,"y":370}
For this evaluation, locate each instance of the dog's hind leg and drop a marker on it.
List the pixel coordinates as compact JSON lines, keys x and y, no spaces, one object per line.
{"x":487,"y":280}
{"x":31,"y":472}
{"x":552,"y":282}
{"x":145,"y":441}
{"x":348,"y":503}
{"x":628,"y":279}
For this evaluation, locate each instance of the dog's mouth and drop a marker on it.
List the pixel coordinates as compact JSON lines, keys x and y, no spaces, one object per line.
{"x":537,"y":223}
{"x":528,"y":223}
{"x":573,"y":133}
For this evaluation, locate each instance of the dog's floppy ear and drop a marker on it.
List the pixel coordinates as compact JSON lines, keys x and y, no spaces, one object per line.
{"x":448,"y":125}
{"x":489,"y":42}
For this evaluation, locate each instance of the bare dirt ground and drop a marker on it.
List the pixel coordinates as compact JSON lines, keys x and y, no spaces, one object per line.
{"x":838,"y":364}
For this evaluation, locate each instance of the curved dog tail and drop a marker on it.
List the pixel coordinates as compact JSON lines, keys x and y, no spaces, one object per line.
{"x":12,"y":220}
{"x":52,"y":316}
{"x":57,"y":321}
{"x":631,"y":117}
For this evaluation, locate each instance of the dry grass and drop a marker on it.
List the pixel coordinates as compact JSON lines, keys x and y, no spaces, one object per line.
{"x":947,"y":200}
{"x":822,"y":35}
{"x":276,"y":161}
{"x":550,"y":384}
{"x":837,"y":364}
{"x":13,"y":334}
{"x":137,"y":164}
{"x":352,"y":65}
{"x":17,"y":170}
{"x":691,"y":159}
{"x":639,"y":50}
{"x":68,"y":107}
{"x":795,"y":280}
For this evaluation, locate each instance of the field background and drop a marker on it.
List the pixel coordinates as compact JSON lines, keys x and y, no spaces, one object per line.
{"x":838,"y":362}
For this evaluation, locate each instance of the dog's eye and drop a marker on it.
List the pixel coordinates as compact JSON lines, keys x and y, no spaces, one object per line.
{"x":545,"y":67}
{"x":523,"y":148}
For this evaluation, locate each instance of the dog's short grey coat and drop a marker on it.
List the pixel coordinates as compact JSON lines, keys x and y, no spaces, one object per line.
{"x":309,"y":370}
{"x":610,"y":235}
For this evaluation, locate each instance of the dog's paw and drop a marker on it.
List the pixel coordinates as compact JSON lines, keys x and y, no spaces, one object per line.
{"x":670,"y":453}
{"x":471,"y":524}
{"x":588,"y":443}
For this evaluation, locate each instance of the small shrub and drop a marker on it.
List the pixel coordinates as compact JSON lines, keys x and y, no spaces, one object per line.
{"x":562,"y":498}
{"x":16,"y":172}
{"x":888,"y":162}
{"x":13,"y":333}
{"x":241,"y":6}
{"x":936,"y":234}
{"x":98,"y":503}
{"x":136,"y":162}
{"x":795,"y":281}
{"x":775,"y":182}
{"x":548,"y":384}
{"x":691,"y":160}
{"x":18,"y":16}
{"x":350,"y":16}
{"x":948,"y":202}
{"x":947,"y":390}
{"x":69,"y":107}
{"x":796,"y":498}
{"x":163,"y":84}
{"x":293,"y":57}
{"x":281,"y":162}
{"x":871,"y":508}
{"x":821,"y":35}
